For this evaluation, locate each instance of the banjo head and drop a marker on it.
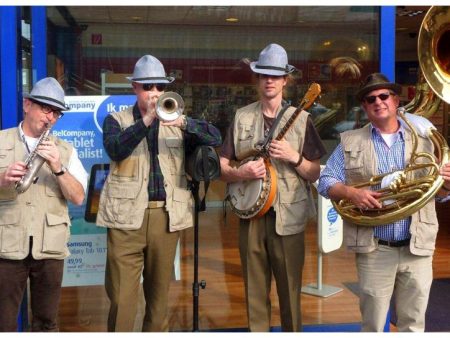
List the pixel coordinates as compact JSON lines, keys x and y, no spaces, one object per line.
{"x":244,"y":195}
{"x":247,"y":198}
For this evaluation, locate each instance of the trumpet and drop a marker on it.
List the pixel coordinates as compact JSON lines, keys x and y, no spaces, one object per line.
{"x":169,"y":106}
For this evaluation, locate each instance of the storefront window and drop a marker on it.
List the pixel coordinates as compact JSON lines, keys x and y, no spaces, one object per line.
{"x":207,"y":49}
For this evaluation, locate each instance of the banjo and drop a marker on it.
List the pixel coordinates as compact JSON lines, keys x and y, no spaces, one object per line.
{"x":253,"y":198}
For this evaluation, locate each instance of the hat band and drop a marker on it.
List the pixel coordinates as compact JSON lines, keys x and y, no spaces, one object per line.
{"x":48,"y":99}
{"x":272,"y":67}
{"x":148,"y":78}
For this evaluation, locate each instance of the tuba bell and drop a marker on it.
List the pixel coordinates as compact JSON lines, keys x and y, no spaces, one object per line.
{"x":410,"y":189}
{"x":169,"y":106}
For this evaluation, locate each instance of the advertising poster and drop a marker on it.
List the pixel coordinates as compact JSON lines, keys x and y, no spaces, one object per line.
{"x":82,"y":127}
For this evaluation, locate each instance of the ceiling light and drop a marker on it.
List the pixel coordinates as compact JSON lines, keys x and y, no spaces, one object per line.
{"x":232,"y":19}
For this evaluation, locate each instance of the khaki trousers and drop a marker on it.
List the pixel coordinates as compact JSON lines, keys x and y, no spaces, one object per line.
{"x":150,"y":252}
{"x":264,"y":252}
{"x":394,"y":271}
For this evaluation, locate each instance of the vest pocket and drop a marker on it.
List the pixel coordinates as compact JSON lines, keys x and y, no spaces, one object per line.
{"x":293,"y":208}
{"x":126,"y":170}
{"x":56,"y":234}
{"x":7,"y":194}
{"x":120,"y":204}
{"x":52,"y":187}
{"x":6,"y":158}
{"x":179,"y":210}
{"x":176,"y":150}
{"x":354,"y":164}
{"x":427,"y":229}
{"x":11,"y":234}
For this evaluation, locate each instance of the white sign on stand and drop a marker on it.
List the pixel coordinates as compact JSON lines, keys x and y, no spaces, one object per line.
{"x":329,"y":237}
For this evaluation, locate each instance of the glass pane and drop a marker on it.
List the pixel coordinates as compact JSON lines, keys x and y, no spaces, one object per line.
{"x":208,"y":50}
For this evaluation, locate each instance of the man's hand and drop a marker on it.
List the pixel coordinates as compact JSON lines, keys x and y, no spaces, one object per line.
{"x":282,"y":150}
{"x":180,"y":122}
{"x":364,"y":198}
{"x":14,"y":172}
{"x":150,"y":113}
{"x":252,"y":169}
{"x":49,"y":151}
{"x":445,"y":173}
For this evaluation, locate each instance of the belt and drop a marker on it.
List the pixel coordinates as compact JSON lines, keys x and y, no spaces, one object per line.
{"x":394,"y":244}
{"x":156,"y":204}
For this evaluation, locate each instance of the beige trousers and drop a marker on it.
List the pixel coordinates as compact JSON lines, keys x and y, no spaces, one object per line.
{"x":264,"y":252}
{"x":387,"y":272}
{"x":150,"y":252}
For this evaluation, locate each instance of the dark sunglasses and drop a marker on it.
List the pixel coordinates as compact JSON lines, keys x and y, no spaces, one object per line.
{"x":371,"y":99}
{"x":159,"y":86}
{"x":265,"y":76}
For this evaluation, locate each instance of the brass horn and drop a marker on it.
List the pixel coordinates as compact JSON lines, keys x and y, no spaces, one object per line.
{"x":169,"y":106}
{"x":413,"y":187}
{"x":434,"y":50}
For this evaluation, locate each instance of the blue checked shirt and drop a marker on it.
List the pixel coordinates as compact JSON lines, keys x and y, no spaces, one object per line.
{"x":389,"y":159}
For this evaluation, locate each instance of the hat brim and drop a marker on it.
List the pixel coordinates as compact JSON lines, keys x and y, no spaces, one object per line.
{"x":59,"y":105}
{"x":273,"y":72}
{"x":168,"y":79}
{"x":391,"y":86}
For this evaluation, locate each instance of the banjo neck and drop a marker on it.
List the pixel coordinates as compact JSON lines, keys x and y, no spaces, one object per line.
{"x":307,"y":101}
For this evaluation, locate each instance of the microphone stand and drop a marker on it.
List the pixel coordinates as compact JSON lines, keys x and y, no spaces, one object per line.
{"x":196,"y":285}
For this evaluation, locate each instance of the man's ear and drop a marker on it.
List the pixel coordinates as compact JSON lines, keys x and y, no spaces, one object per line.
{"x":26,"y":105}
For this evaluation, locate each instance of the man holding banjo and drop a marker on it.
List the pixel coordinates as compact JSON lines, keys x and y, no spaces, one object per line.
{"x":273,"y":242}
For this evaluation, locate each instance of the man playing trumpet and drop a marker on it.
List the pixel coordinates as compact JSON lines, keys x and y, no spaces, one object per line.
{"x":145,"y":201}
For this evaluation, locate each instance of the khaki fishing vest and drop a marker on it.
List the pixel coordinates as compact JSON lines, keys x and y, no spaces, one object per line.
{"x":41,"y":211}
{"x":294,"y":203}
{"x":360,"y":165}
{"x":124,"y":197}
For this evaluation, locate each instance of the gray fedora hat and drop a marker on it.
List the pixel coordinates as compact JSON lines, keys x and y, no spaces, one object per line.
{"x":149,"y":69}
{"x":272,"y":60}
{"x":376,"y":81}
{"x":48,"y":91}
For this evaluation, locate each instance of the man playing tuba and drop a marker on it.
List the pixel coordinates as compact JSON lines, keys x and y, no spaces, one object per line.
{"x":391,"y":259}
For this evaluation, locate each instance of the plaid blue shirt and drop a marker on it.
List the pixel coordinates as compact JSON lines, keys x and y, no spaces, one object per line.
{"x":389,"y":159}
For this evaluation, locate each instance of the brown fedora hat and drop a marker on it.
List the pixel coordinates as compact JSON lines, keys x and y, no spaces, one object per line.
{"x":376,"y":81}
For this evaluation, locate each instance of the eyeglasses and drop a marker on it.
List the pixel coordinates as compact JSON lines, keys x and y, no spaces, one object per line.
{"x":383,"y":97}
{"x":159,"y":86}
{"x":46,"y":109}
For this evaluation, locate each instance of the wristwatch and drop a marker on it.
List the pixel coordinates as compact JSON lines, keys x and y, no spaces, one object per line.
{"x":61,"y":172}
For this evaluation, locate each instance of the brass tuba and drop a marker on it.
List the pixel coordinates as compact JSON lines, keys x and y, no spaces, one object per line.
{"x":412,"y":188}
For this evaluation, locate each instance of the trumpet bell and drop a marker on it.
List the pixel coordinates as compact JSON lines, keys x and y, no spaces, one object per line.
{"x":169,"y":106}
{"x":434,"y":50}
